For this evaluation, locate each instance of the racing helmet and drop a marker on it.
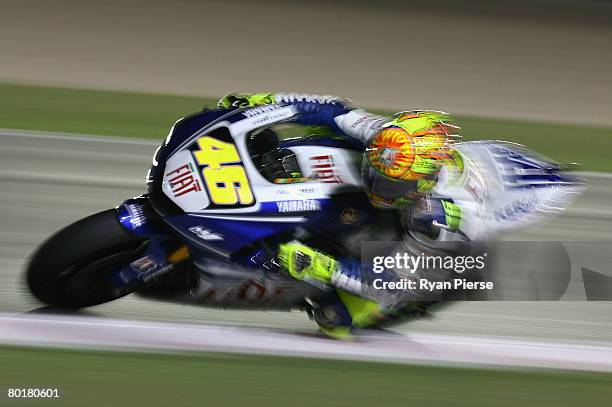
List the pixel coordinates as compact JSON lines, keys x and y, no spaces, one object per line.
{"x":405,"y":155}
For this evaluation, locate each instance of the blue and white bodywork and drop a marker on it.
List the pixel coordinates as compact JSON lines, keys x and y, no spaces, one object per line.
{"x":504,"y":186}
{"x":253,"y":214}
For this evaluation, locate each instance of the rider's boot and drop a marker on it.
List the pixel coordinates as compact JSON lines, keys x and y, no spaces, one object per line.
{"x":333,"y":318}
{"x":337,"y":316}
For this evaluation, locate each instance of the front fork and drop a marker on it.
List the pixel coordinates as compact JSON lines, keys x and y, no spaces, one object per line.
{"x":162,"y":252}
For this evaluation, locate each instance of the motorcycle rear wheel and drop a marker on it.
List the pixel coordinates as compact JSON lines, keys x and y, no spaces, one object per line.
{"x":72,"y":269}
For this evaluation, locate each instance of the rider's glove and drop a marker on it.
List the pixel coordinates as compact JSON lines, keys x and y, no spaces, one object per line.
{"x":238,"y":100}
{"x":430,"y":214}
{"x":304,"y":263}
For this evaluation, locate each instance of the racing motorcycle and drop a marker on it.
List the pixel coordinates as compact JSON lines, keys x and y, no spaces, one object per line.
{"x":227,"y":187}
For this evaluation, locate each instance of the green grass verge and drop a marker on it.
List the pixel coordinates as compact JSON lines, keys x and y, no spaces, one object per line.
{"x":98,"y":378}
{"x":151,"y":115}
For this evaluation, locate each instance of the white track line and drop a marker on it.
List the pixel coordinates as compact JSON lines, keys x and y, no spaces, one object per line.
{"x":71,"y":178}
{"x":87,"y":332}
{"x":78,"y":137}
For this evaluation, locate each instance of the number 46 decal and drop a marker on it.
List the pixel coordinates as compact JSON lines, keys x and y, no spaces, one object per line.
{"x":223,"y":172}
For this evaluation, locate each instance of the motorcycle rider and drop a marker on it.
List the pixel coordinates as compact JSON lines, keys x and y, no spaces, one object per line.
{"x":404,"y":155}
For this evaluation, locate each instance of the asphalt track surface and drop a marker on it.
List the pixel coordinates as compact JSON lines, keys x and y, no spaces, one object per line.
{"x":50,"y":180}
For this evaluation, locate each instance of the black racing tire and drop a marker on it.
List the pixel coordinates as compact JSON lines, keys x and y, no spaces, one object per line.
{"x":72,"y":268}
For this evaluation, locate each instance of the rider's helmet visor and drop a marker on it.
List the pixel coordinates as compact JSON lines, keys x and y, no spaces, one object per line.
{"x":385,"y":191}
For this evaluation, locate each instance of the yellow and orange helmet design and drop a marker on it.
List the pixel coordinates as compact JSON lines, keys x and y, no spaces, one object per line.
{"x":413,"y":145}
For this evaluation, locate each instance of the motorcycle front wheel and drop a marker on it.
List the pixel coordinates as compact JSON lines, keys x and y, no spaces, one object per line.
{"x":73,"y":268}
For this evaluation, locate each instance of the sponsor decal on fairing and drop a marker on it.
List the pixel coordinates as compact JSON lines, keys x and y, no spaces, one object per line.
{"x":303,"y":205}
{"x":324,"y":169}
{"x":183,"y":180}
{"x":204,"y":233}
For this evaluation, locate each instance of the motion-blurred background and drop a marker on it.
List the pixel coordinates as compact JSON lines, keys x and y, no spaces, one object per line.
{"x":544,"y":60}
{"x":534,"y":71}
